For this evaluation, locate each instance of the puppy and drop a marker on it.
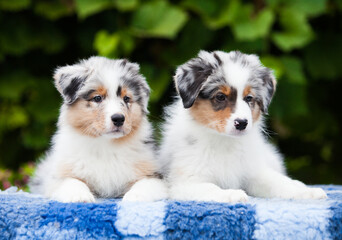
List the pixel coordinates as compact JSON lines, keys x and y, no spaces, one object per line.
{"x":103,"y":146}
{"x":213,"y":147}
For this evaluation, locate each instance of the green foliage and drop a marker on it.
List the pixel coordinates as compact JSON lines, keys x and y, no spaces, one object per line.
{"x":158,"y":19}
{"x":300,"y":40}
{"x":18,"y":178}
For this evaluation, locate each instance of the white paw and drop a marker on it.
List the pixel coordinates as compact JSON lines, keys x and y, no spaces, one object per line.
{"x":206,"y":192}
{"x":146,"y":190}
{"x":72,"y":190}
{"x":314,"y":193}
{"x":232,"y":196}
{"x":304,"y":193}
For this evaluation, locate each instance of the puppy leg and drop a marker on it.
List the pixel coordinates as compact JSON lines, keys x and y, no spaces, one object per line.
{"x":272,"y":184}
{"x":206,"y":192}
{"x":72,"y":190}
{"x":147,"y":190}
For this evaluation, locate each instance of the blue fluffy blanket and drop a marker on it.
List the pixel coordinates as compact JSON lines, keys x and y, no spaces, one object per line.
{"x":27,"y":216}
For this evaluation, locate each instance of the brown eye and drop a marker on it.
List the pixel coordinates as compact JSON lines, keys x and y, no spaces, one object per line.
{"x":221,"y":97}
{"x":248,"y":98}
{"x":97,"y":99}
{"x":126,"y":99}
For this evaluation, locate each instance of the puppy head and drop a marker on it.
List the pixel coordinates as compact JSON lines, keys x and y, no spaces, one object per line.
{"x":103,"y":97}
{"x":227,"y":92}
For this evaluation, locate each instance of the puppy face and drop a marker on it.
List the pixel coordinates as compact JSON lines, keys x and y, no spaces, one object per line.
{"x":103,"y":97}
{"x":227,"y":92}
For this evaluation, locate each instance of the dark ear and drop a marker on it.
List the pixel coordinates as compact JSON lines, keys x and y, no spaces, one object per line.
{"x":269,"y":83}
{"x":191,"y":76}
{"x":136,"y":82}
{"x":69,"y":80}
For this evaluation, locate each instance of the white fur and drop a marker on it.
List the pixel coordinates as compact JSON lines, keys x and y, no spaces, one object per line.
{"x":221,"y":167}
{"x":147,"y":189}
{"x":101,"y":167}
{"x":216,"y":163}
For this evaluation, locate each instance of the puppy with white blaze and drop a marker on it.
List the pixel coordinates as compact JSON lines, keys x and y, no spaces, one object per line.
{"x":103,"y":146}
{"x":214,"y":148}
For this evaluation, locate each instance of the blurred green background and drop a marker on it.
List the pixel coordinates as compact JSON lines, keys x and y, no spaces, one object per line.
{"x":300,"y":39}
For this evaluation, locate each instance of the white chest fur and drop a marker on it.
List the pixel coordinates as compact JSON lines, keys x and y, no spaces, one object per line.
{"x":107,"y":168}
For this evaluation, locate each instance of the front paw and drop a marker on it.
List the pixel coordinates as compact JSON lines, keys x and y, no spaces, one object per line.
{"x":314,"y":193}
{"x":305,"y":193}
{"x":232,"y":196}
{"x":73,"y":190}
{"x":147,"y":190}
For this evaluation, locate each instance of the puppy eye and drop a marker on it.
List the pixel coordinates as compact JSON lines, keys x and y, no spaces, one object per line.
{"x":97,"y":99}
{"x":221,"y":97}
{"x":126,"y":99}
{"x":248,"y":98}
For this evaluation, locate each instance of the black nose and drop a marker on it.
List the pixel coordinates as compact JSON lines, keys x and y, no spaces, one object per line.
{"x":240,"y":124}
{"x":118,"y":119}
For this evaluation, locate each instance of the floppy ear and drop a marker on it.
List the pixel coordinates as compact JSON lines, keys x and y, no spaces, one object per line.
{"x":191,"y":76}
{"x":137,"y":82}
{"x":269,"y":84}
{"x":69,"y":80}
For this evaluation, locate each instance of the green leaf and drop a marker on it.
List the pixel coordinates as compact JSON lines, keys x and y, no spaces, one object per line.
{"x":275,"y":64}
{"x":36,"y":137}
{"x":294,"y":70}
{"x":297,"y":31}
{"x":186,"y":45}
{"x":205,"y":8}
{"x":126,"y":5}
{"x":14,"y":5}
{"x":158,"y":19}
{"x":290,"y":101}
{"x":106,"y":44}
{"x":86,"y":8}
{"x":43,"y":104}
{"x":127,"y":44}
{"x":289,"y":41}
{"x":53,"y":9}
{"x":158,"y":80}
{"x":248,"y":27}
{"x":294,"y":164}
{"x":12,"y":86}
{"x":308,"y":7}
{"x":19,"y":36}
{"x":258,"y":45}
{"x":12,"y":116}
{"x":216,"y":14}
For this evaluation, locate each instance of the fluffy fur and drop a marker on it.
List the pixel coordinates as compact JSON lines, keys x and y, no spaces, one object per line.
{"x":102,"y":147}
{"x":214,"y":148}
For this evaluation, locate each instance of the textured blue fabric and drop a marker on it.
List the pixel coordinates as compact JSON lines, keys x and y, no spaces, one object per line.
{"x":141,"y":219}
{"x":335,"y":223}
{"x":306,"y":219}
{"x":28,"y":216}
{"x":204,"y":220}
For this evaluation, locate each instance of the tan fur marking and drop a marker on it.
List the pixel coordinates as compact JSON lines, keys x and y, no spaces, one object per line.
{"x":203,"y":112}
{"x":101,"y":91}
{"x":144,"y":169}
{"x":225,"y":90}
{"x":86,"y":119}
{"x":247,"y":91}
{"x":65,"y":171}
{"x":124,"y":92}
{"x":256,"y":112}
{"x":133,"y":119}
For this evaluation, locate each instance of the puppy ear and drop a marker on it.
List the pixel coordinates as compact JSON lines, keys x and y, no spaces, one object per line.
{"x":69,"y":80}
{"x":191,"y":76}
{"x":269,"y":84}
{"x":137,"y":82}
